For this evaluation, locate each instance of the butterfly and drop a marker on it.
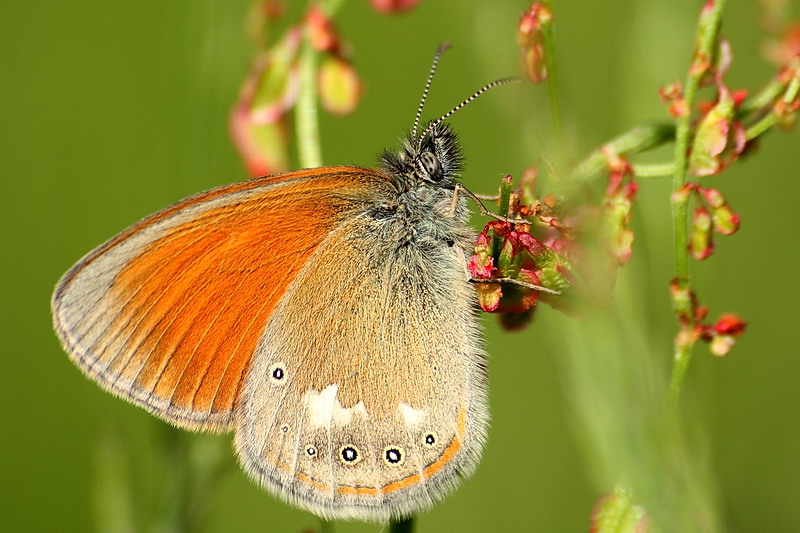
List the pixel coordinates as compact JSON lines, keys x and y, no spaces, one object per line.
{"x":324,"y":316}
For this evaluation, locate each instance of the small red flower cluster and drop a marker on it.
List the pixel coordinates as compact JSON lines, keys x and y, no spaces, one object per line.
{"x":713,"y":214}
{"x":620,"y":194}
{"x":721,"y":335}
{"x":512,"y":268}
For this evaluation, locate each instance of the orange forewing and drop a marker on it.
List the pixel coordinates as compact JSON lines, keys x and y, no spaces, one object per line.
{"x":191,"y":304}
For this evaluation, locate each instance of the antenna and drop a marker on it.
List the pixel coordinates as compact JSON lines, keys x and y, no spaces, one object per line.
{"x":439,"y":52}
{"x":492,"y":85}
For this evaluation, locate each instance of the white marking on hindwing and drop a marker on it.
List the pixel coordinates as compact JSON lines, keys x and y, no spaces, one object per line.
{"x":324,"y":407}
{"x":412,"y":416}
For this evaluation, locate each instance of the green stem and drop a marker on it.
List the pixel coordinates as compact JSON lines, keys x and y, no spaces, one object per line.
{"x":552,"y":78}
{"x":772,"y":118}
{"x":761,"y":126}
{"x":706,"y":37}
{"x":403,"y":526}
{"x":763,"y":98}
{"x":683,"y":356}
{"x":637,"y":140}
{"x":654,"y":170}
{"x":306,"y":110}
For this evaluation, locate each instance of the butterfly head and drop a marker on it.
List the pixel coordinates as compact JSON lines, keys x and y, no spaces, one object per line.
{"x":434,"y":160}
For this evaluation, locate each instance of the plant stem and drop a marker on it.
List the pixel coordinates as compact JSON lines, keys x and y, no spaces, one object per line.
{"x":306,"y":111}
{"x":683,"y":356}
{"x":637,"y":140}
{"x":772,"y":118}
{"x":706,"y":37}
{"x":654,"y":170}
{"x":552,"y":78}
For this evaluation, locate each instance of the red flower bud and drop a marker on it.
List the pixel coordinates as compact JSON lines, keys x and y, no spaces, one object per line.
{"x":672,"y":94}
{"x":258,"y":122}
{"x":718,"y":140}
{"x":786,"y":47}
{"x":730,"y":324}
{"x":619,"y":203}
{"x":726,"y":221}
{"x":506,"y":251}
{"x":321,"y":30}
{"x":393,"y":6}
{"x":530,"y":37}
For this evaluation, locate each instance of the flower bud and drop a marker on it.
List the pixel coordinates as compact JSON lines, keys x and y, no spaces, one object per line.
{"x":617,"y":513}
{"x":726,"y":221}
{"x":701,"y":243}
{"x":730,"y":324}
{"x":530,"y":36}
{"x":672,"y":94}
{"x":258,"y":122}
{"x":489,"y":295}
{"x":321,"y":30}
{"x":393,"y":6}
{"x":720,"y":345}
{"x":718,"y":140}
{"x":340,"y":88}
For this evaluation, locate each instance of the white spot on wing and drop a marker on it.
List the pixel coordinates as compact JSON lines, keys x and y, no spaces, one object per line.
{"x":321,"y":404}
{"x":324,"y":407}
{"x":410,"y":415}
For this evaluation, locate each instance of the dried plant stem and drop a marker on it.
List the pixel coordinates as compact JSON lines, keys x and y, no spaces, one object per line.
{"x":706,"y":37}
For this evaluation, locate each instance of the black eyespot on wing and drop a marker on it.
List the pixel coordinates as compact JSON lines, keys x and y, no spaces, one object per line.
{"x":278,"y":374}
{"x":311,"y":451}
{"x":393,"y":455}
{"x":349,"y":455}
{"x":430,"y":439}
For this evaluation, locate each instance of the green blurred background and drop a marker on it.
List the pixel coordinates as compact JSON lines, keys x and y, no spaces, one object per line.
{"x":112,"y":110}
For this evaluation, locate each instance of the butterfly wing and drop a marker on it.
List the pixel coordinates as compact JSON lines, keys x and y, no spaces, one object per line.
{"x":366,"y":397}
{"x":293,"y":309}
{"x":168,"y":313}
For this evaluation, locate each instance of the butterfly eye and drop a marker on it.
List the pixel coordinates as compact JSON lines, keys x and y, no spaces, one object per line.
{"x":428,"y":165}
